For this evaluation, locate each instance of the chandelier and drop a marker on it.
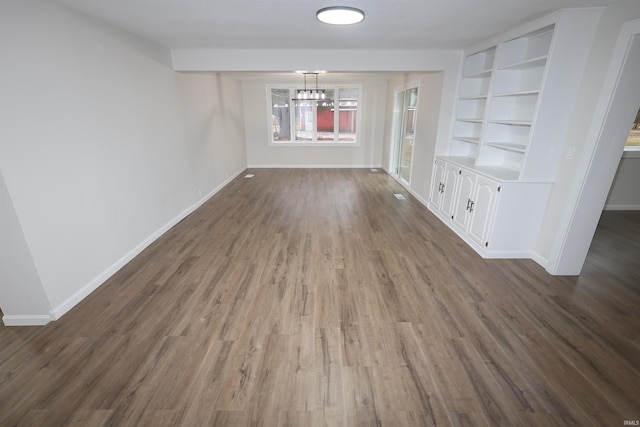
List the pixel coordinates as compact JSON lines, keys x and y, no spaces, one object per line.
{"x":310,"y":94}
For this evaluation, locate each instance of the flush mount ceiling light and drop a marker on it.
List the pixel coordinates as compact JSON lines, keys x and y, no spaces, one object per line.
{"x":340,"y":15}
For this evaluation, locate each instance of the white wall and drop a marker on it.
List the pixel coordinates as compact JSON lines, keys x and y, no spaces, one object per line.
{"x":102,"y":147}
{"x":431,"y":134}
{"x":368,"y":153}
{"x":625,"y":191}
{"x":21,"y":292}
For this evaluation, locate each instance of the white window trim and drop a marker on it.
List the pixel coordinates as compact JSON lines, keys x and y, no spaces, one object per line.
{"x":293,"y":142}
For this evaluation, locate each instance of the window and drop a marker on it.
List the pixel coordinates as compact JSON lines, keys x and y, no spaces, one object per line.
{"x":332,"y":120}
{"x":633,"y":141}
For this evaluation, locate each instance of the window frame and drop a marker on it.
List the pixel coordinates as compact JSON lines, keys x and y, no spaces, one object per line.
{"x":315,"y":142}
{"x":634,"y":127}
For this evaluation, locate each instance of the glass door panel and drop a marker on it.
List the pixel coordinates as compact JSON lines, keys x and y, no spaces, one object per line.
{"x":397,"y":131}
{"x":406,"y":132}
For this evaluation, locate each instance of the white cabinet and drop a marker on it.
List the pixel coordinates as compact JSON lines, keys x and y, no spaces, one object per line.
{"x":498,"y":218}
{"x":437,"y":183}
{"x":475,"y":202}
{"x":481,"y":207}
{"x":445,"y":177}
{"x":461,"y":212}
{"x":464,"y":198}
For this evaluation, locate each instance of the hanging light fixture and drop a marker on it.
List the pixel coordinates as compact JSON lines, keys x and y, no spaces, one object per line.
{"x":340,"y":15}
{"x":310,"y":94}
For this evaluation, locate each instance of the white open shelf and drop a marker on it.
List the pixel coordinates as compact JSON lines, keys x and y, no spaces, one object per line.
{"x":511,"y":122}
{"x":518,"y":80}
{"x":479,"y":64}
{"x":473,"y":97}
{"x":470,"y":140}
{"x":536,"y":62}
{"x":517,"y":93}
{"x":500,"y":89}
{"x":525,"y":48}
{"x":509,"y":146}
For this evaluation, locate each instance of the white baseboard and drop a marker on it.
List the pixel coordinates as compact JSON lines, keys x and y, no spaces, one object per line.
{"x":544,"y":262}
{"x":399,"y":181}
{"x":419,"y":198}
{"x":81,"y":294}
{"x":622,"y":207}
{"x":346,"y":166}
{"x":504,"y":254}
{"x":25,"y":320}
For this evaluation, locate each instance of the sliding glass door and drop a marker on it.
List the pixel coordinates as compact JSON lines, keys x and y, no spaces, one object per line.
{"x":404,"y":131}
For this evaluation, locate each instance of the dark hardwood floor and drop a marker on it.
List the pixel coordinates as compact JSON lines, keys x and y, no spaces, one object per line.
{"x":315,"y":297}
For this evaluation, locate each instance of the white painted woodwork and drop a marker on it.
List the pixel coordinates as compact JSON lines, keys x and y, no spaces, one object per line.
{"x":451,"y":173}
{"x":466,"y":187}
{"x":437,"y":184}
{"x":497,"y":218}
{"x":508,"y":130}
{"x":483,"y":202}
{"x":445,"y":179}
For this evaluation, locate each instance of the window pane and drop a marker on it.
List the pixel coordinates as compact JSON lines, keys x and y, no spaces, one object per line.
{"x":634,"y":135}
{"x":304,"y":121}
{"x":348,"y":108}
{"x":329,"y":117}
{"x":326,"y":127}
{"x":412,"y":102}
{"x":280,"y":101}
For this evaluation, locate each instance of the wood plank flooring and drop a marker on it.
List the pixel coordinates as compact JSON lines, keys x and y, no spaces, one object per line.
{"x":316,"y":298}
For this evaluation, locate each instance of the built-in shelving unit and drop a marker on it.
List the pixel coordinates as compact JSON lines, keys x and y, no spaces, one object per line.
{"x":499,"y":92}
{"x":482,"y":175}
{"x":470,"y":114}
{"x":515,"y":99}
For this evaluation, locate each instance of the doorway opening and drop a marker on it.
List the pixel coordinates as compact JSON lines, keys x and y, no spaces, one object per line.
{"x":617,"y":109}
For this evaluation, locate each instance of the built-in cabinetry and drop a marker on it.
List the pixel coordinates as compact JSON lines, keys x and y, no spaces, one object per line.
{"x":498,"y":100}
{"x":444,"y":183}
{"x":474,"y":205}
{"x":465,"y":197}
{"x":498,"y":218}
{"x":515,"y":99}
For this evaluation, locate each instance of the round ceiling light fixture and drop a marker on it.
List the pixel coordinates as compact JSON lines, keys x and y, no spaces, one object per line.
{"x":340,"y":15}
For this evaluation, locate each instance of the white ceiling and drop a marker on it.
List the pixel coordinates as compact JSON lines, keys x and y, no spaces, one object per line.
{"x":291,"y":24}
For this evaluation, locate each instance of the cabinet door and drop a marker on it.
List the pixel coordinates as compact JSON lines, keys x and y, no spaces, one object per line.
{"x":466,"y":185}
{"x":437,"y":184}
{"x":484,"y":201}
{"x":451,"y":174}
